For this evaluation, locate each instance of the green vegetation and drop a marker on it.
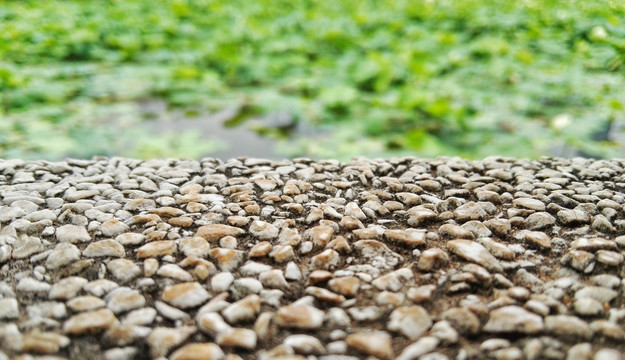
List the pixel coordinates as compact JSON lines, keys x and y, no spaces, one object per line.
{"x":421,"y":77}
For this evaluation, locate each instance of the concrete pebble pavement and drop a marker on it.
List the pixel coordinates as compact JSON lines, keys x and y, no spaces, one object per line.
{"x":401,"y":258}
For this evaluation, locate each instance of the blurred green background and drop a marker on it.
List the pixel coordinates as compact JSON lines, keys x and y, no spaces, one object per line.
{"x":322,"y":79}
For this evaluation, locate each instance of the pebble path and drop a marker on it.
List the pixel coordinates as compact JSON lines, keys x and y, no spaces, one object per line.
{"x":399,"y":258}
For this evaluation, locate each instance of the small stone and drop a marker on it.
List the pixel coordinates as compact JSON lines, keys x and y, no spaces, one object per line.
{"x":261,"y":249}
{"x":161,"y":340}
{"x":104,"y":248}
{"x":263,"y":230}
{"x":328,"y":259}
{"x":421,"y":293}
{"x":304,"y":344}
{"x":539,"y":221}
{"x":63,"y":254}
{"x":175,"y":272}
{"x":377,"y":344}
{"x":394,"y":280}
{"x":608,"y":354}
{"x":593,"y":244}
{"x":319,"y":235}
{"x":194,"y":246}
{"x":273,"y":279}
{"x":581,"y":351}
{"x":513,"y":319}
{"x":324,"y":294}
{"x":214,"y":232}
{"x":410,"y":321}
{"x":469,"y":211}
{"x":299,"y":316}
{"x":124,"y":299}
{"x":31,"y":285}
{"x":572,"y":217}
{"x":529,"y":203}
{"x":140,"y":317}
{"x":123,"y":270}
{"x":238,"y":338}
{"x":432,"y":259}
{"x":100,"y":287}
{"x":113,"y":228}
{"x":420,"y":215}
{"x":282,"y":253}
{"x":598,"y":293}
{"x":157,"y":248}
{"x":608,"y":329}
{"x":198,"y":351}
{"x":130,"y":238}
{"x":72,"y":234}
{"x":567,"y":327}
{"x":474,"y":252}
{"x":347,"y":286}
{"x":44,"y":342}
{"x":588,"y":307}
{"x":610,"y":258}
{"x":451,"y":231}
{"x":227,"y":259}
{"x":463,"y":320}
{"x":418,"y":348}
{"x":67,"y":288}
{"x":90,"y":322}
{"x":245,"y":309}
{"x":409,"y":237}
{"x":185,"y":295}
{"x":538,"y":238}
{"x":222,"y":281}
{"x":84,"y":303}
{"x":9,"y":309}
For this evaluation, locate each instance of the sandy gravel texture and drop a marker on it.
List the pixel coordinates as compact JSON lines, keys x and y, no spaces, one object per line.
{"x":400,"y":258}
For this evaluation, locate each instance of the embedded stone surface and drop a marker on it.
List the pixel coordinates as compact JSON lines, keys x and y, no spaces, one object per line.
{"x":401,"y":258}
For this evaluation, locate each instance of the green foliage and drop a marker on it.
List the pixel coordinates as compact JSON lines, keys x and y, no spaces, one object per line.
{"x":420,"y":77}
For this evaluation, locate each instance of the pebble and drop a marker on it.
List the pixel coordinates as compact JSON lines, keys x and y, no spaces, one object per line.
{"x":245,"y":309}
{"x":376,"y":344}
{"x":63,"y":254}
{"x":185,"y":295}
{"x":300,"y":316}
{"x":473,"y":251}
{"x":104,"y":248}
{"x":72,"y":234}
{"x":162,"y":339}
{"x":419,"y":348}
{"x":198,"y":351}
{"x":513,"y":319}
{"x":123,"y":270}
{"x":90,"y":322}
{"x":412,"y":321}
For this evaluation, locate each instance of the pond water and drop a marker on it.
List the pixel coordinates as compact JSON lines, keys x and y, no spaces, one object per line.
{"x":234,"y":141}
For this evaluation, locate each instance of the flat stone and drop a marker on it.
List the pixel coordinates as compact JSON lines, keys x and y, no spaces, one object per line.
{"x":419,"y":348}
{"x":539,"y":239}
{"x":463,"y":320}
{"x":124,"y":299}
{"x":410,"y":321}
{"x":85,"y":303}
{"x":243,"y":310}
{"x":347,"y":286}
{"x":432,"y":259}
{"x":409,"y":237}
{"x":263,"y":230}
{"x":473,"y":251}
{"x":185,"y":295}
{"x":238,"y":338}
{"x":376,"y":344}
{"x":304,"y":344}
{"x":161,"y":340}
{"x":198,"y":351}
{"x":214,"y":232}
{"x":9,"y":309}
{"x":90,"y":322}
{"x":194,"y":246}
{"x":157,"y":249}
{"x":513,"y":319}
{"x":299,"y":316}
{"x":529,"y":203}
{"x":67,"y":288}
{"x":227,"y":259}
{"x":567,"y":327}
{"x":104,"y":248}
{"x":593,"y":244}
{"x":44,"y":342}
{"x":113,"y":227}
{"x":123,"y":270}
{"x":62,"y":254}
{"x":72,"y":234}
{"x":598,"y":293}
